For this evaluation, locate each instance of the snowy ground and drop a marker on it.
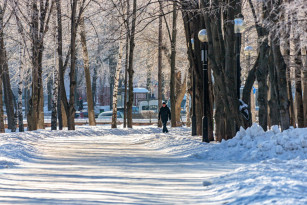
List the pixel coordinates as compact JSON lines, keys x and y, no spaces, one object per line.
{"x":143,"y":166}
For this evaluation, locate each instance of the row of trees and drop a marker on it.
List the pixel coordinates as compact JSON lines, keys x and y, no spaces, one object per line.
{"x":275,"y":29}
{"x":49,"y":42}
{"x":272,"y":27}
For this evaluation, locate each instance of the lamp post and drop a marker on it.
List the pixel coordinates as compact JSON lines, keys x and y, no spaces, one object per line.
{"x":193,"y":99}
{"x":238,"y":28}
{"x":203,"y":37}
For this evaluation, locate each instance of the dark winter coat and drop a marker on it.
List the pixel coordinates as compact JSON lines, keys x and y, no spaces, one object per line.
{"x":164,"y":114}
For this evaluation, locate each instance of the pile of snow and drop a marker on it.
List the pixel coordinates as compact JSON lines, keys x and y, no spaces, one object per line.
{"x":256,"y":144}
{"x":252,"y":144}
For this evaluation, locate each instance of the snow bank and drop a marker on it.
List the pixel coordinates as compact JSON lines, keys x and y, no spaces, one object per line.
{"x":256,"y":144}
{"x":252,"y":144}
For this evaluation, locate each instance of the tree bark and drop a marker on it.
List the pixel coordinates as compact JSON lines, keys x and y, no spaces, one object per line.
{"x":2,"y":129}
{"x":126,"y":61}
{"x":274,"y":110}
{"x":304,"y":57}
{"x":298,"y":73}
{"x":20,"y":88}
{"x":160,"y":44}
{"x":49,"y":92}
{"x":262,"y":74}
{"x":54,"y":98}
{"x":2,"y":61}
{"x":187,"y":102}
{"x":126,"y":80}
{"x":180,"y":92}
{"x":72,"y":74}
{"x":173,"y":66}
{"x":130,"y":67}
{"x":281,"y":69}
{"x":298,"y":92}
{"x":248,"y":96}
{"x":94,"y":85}
{"x":90,"y":103}
{"x":8,"y":95}
{"x":61,"y":87}
{"x":116,"y":84}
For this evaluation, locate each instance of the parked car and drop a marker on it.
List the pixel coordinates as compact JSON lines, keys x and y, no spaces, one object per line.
{"x":108,"y":115}
{"x":135,"y":109}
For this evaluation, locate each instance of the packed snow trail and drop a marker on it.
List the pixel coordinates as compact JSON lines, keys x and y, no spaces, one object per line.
{"x":106,"y":167}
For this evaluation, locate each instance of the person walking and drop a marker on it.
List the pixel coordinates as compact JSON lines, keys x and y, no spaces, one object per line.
{"x":164,"y":115}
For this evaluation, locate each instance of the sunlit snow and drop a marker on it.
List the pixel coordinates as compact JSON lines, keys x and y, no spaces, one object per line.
{"x":99,"y":165}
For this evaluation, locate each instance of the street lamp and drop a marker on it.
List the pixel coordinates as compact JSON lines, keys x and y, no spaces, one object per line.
{"x":203,"y":37}
{"x":239,"y":27}
{"x":193,"y":99}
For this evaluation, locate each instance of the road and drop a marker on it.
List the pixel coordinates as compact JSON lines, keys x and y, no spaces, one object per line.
{"x":106,"y":170}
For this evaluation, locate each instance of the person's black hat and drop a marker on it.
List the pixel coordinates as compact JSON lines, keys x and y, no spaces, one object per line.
{"x":164,"y":103}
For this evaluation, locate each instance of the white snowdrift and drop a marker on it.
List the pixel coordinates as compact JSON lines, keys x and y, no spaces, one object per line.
{"x":252,"y":144}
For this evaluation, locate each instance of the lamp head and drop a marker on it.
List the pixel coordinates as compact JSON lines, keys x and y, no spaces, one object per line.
{"x":203,"y":36}
{"x":192,"y":43}
{"x":239,"y":25}
{"x":248,"y":49}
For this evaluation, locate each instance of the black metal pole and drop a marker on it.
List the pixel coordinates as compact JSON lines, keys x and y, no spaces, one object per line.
{"x":193,"y":107}
{"x":204,"y":57}
{"x":238,"y":36}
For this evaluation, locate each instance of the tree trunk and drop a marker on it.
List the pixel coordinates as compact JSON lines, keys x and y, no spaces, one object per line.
{"x":2,"y":60}
{"x":287,"y":57}
{"x":298,"y":74}
{"x":262,"y":74}
{"x":2,"y":128}
{"x":173,"y":66}
{"x":54,"y":95}
{"x":49,"y":92}
{"x":8,"y":95}
{"x":126,"y":62}
{"x":116,"y":83}
{"x":290,"y":96}
{"x":248,"y":96}
{"x":281,"y":69}
{"x":160,"y":44}
{"x":187,"y":102}
{"x":20,"y":88}
{"x":298,"y":92}
{"x":94,"y":85}
{"x":38,"y":28}
{"x":126,"y":79}
{"x":274,"y":112}
{"x":180,"y":92}
{"x":61,"y":87}
{"x":72,"y":74}
{"x":305,"y":85}
{"x":130,"y":67}
{"x":90,"y":103}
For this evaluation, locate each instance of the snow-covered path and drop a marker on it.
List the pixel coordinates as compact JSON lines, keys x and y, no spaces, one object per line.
{"x":107,"y":169}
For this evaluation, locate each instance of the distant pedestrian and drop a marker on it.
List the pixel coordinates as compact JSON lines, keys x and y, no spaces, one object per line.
{"x":164,"y":115}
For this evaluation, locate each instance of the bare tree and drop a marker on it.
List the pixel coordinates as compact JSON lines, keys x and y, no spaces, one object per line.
{"x":91,"y":113}
{"x":130,"y":67}
{"x":116,"y":84}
